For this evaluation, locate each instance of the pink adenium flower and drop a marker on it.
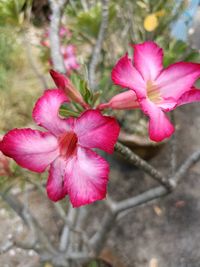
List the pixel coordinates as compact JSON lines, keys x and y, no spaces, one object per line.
{"x":67,"y":148}
{"x":156,"y":89}
{"x":70,"y":59}
{"x":68,"y":51}
{"x":65,"y":32}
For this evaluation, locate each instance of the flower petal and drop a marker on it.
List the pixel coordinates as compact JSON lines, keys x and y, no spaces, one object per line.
{"x":159,"y":125}
{"x":46,"y":111}
{"x":55,"y":187}
{"x":167,"y":104}
{"x":125,"y":100}
{"x":125,"y":75}
{"x":148,"y":58}
{"x":97,"y":131}
{"x":86,"y":177}
{"x":32,"y":149}
{"x":190,"y":96}
{"x":177,"y":79}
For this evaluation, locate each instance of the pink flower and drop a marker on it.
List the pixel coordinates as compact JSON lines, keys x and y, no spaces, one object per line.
{"x":75,"y":169}
{"x":4,"y":164}
{"x":70,"y":60}
{"x":64,"y":32}
{"x":156,"y":89}
{"x":68,"y":51}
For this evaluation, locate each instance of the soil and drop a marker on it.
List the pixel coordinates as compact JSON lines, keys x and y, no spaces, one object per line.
{"x":164,"y":233}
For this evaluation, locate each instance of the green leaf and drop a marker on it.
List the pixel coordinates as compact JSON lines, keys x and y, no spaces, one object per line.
{"x":88,"y":22}
{"x":11,"y":12}
{"x":66,"y":112}
{"x":83,"y":88}
{"x":193,"y":56}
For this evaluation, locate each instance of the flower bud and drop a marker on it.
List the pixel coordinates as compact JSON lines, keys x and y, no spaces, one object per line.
{"x":125,"y":100}
{"x":62,"y":82}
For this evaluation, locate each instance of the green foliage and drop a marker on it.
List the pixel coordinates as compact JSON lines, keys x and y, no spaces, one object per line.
{"x":66,"y":111}
{"x":97,"y":263}
{"x":9,"y":55}
{"x":82,"y":85}
{"x":137,"y":11}
{"x":88,"y":22}
{"x":178,"y":50}
{"x":11,"y":12}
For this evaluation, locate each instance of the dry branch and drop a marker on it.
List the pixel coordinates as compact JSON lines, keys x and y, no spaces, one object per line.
{"x":98,"y":46}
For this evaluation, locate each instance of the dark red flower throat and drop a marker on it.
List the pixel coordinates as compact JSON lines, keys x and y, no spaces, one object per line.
{"x":67,"y":144}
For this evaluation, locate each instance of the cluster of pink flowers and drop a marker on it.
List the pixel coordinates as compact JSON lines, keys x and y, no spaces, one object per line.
{"x":68,"y":51}
{"x":67,"y":145}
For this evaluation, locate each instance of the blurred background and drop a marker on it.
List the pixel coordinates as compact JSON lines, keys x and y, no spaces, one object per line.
{"x":162,"y":234}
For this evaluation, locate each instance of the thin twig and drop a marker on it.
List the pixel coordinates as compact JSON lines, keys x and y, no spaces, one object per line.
{"x":140,"y":199}
{"x":69,"y":222}
{"x":56,"y":56}
{"x":191,"y":160}
{"x":97,"y":49}
{"x":142,"y":164}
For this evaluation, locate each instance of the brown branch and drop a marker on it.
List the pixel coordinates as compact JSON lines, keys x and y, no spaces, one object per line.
{"x":142,"y":164}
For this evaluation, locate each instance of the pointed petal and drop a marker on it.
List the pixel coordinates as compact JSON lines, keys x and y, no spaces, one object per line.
{"x":46,"y":112}
{"x":55,"y":187}
{"x":159,"y":125}
{"x":148,"y":58}
{"x":190,"y":96}
{"x":31,"y":149}
{"x":177,"y":79}
{"x":97,"y":131}
{"x":126,"y":76}
{"x":125,"y":100}
{"x":86,"y":177}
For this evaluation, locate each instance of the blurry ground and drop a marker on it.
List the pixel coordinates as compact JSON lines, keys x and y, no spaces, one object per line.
{"x":165,"y":233}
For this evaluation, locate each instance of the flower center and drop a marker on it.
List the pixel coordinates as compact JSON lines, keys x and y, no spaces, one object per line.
{"x":153,"y":92}
{"x":68,"y":143}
